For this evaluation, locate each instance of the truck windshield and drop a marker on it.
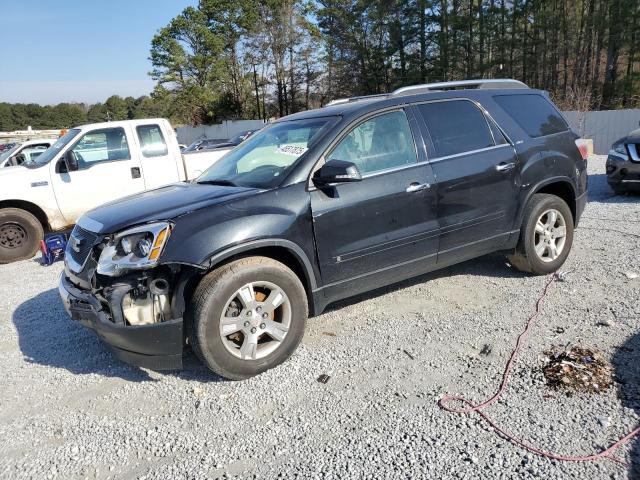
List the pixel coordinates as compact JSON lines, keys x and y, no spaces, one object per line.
{"x":267,"y":157}
{"x":53,"y":150}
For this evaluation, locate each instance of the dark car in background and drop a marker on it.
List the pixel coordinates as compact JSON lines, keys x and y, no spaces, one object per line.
{"x":205,"y":144}
{"x":623,"y":164}
{"x":213,"y":144}
{"x":323,"y":205}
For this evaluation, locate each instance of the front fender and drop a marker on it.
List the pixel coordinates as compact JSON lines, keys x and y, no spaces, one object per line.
{"x":277,"y":218}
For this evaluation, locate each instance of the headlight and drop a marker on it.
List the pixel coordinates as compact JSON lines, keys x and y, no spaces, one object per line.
{"x":619,"y":148}
{"x":134,"y":249}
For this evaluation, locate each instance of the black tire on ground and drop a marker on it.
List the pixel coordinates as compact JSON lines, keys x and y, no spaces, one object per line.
{"x":525,"y":258}
{"x":618,"y":190}
{"x":210,"y":299}
{"x":20,"y":235}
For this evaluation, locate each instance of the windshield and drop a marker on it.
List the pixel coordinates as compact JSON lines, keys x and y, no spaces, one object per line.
{"x":264,"y":159}
{"x":9,"y":152}
{"x":54,"y":149}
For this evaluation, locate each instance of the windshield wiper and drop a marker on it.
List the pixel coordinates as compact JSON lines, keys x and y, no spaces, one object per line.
{"x":224,"y":183}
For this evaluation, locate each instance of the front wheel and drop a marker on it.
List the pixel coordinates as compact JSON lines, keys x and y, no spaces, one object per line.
{"x":247,"y":316}
{"x":546,"y":235}
{"x":20,"y":235}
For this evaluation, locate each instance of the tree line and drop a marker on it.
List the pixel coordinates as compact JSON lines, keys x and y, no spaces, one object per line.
{"x":227,"y":59}
{"x":19,"y":116}
{"x":265,"y":58}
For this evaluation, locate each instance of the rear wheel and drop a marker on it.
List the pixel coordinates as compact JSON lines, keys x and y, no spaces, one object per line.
{"x":546,"y":235}
{"x":247,"y":317}
{"x":20,"y":235}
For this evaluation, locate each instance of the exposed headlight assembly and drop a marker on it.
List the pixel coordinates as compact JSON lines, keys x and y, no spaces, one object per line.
{"x":134,"y":249}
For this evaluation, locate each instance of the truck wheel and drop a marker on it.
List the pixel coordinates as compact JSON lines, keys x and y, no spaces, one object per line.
{"x":247,"y":316}
{"x":546,"y":235}
{"x":20,"y":235}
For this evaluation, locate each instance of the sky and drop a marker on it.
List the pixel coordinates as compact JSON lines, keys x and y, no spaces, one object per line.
{"x":78,"y":50}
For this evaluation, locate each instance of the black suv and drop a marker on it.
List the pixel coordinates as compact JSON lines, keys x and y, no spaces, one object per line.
{"x":319,"y":206}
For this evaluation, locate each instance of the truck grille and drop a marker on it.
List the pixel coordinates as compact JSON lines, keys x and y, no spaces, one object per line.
{"x":79,"y":247}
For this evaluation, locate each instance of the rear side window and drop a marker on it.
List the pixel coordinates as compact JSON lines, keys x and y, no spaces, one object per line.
{"x":534,"y":113}
{"x":152,"y":141}
{"x":456,"y":127}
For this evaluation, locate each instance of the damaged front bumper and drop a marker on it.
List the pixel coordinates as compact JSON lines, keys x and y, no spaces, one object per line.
{"x":156,"y":346}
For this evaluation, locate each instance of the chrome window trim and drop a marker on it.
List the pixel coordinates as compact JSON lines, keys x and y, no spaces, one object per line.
{"x":469,"y":152}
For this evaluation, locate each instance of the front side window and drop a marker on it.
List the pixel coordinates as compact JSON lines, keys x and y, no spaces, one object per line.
{"x":151,"y":141}
{"x":382,"y":143}
{"x":105,"y":145}
{"x":534,"y":113}
{"x":456,"y":127}
{"x":268,"y":156}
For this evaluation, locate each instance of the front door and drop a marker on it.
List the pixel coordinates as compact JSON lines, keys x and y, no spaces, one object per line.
{"x":106,"y":171}
{"x":384,"y":225}
{"x":159,"y":167}
{"x":476,"y":177}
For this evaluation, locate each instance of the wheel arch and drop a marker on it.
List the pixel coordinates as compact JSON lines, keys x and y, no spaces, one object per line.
{"x":32,"y":208}
{"x":281,"y":250}
{"x":561,"y":187}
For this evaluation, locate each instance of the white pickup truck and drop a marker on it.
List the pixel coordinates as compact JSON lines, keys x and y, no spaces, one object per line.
{"x":88,"y":166}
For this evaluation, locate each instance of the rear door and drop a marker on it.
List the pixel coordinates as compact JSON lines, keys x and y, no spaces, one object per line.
{"x":107,"y":170}
{"x":159,"y":163}
{"x":386,"y":220}
{"x":476,"y":177}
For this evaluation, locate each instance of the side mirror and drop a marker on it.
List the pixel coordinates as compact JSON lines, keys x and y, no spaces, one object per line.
{"x":336,"y":171}
{"x":71,"y":161}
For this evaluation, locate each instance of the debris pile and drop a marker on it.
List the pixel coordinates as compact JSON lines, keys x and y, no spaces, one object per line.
{"x":577,"y":368}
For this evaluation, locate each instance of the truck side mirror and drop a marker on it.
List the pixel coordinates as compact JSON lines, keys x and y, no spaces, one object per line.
{"x":71,"y":161}
{"x":336,"y":171}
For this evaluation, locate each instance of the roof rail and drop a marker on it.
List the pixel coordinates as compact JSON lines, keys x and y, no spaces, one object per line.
{"x":414,"y":89}
{"x":481,"y":83}
{"x":338,"y":101}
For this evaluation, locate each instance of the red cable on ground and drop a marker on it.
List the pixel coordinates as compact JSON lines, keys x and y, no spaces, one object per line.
{"x":522,"y":339}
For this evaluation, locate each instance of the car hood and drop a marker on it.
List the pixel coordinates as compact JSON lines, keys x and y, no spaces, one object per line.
{"x":164,"y":203}
{"x":633,"y":137}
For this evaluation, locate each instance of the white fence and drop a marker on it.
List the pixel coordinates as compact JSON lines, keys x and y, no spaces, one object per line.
{"x":604,"y":127}
{"x":226,"y":129}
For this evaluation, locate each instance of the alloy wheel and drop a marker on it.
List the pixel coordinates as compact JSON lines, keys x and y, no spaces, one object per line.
{"x":550,"y":235}
{"x":255,"y":320}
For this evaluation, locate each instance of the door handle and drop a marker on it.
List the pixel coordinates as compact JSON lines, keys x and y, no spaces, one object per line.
{"x":135,"y":172}
{"x":505,"y":167}
{"x":417,"y":187}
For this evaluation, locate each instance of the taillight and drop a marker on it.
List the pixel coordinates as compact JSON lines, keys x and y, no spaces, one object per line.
{"x":583,"y":149}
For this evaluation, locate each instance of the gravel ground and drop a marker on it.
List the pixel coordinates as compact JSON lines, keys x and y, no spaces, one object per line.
{"x":70,"y":410}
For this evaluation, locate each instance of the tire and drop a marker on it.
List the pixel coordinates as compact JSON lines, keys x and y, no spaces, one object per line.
{"x":20,"y":235}
{"x":617,"y":190}
{"x":218,"y":290}
{"x":526,"y":258}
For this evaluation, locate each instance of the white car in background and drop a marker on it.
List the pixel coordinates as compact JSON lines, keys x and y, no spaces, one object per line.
{"x":26,"y":151}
